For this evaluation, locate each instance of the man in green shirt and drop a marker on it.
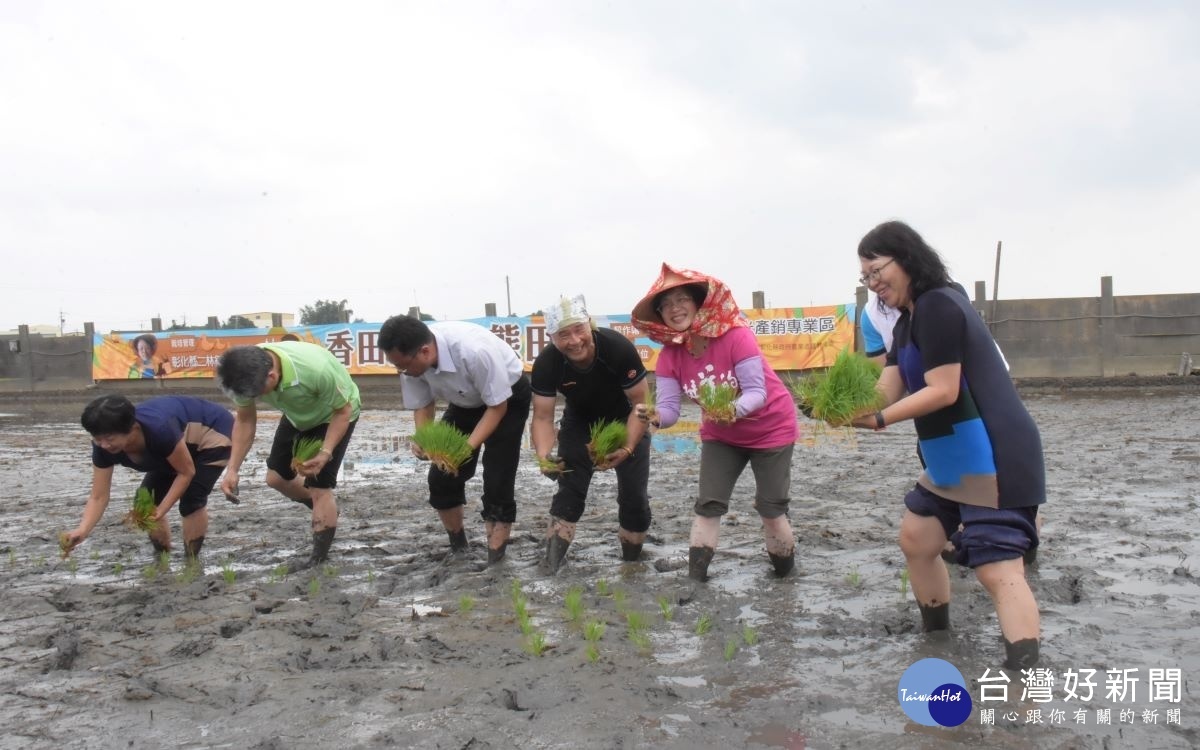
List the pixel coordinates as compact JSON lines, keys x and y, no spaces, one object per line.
{"x":319,"y":400}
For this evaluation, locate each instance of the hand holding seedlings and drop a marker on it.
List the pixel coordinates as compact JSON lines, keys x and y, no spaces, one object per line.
{"x":232,"y":494}
{"x":647,"y":414}
{"x":416,"y":451}
{"x":551,"y":466}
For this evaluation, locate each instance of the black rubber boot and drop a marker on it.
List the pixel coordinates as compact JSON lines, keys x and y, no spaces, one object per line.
{"x":699,"y":559}
{"x":496,"y":555}
{"x":322,"y":541}
{"x":1021,"y":655}
{"x":458,"y":540}
{"x":783,"y":563}
{"x":630,"y":552}
{"x":934,"y":618}
{"x":556,"y":550}
{"x":192,"y":550}
{"x":306,"y":502}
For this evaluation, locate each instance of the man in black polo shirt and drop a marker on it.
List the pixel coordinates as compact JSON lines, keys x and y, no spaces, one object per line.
{"x":601,"y":376}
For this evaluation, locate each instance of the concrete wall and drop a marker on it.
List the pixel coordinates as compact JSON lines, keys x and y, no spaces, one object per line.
{"x":1096,"y":336}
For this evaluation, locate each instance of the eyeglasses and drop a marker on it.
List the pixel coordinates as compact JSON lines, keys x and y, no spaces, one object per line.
{"x":679,"y":300}
{"x":870,"y":277}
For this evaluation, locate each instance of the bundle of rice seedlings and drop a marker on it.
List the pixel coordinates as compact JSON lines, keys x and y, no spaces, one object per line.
{"x":607,"y":436}
{"x":305,"y":450}
{"x":716,"y":401}
{"x":651,"y":404}
{"x":845,"y":391}
{"x":552,"y":464}
{"x":141,"y":516}
{"x":444,"y":444}
{"x":64,"y":544}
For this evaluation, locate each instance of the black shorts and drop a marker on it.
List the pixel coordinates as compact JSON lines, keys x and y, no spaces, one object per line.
{"x":194,"y":497}
{"x":280,"y":460}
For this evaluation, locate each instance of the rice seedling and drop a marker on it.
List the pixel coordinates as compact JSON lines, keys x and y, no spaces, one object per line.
{"x":188,"y":574}
{"x":305,"y":450}
{"x":601,"y":586}
{"x":330,"y":571}
{"x":717,"y":401}
{"x":64,"y":545}
{"x":904,"y":583}
{"x":619,"y":596}
{"x":228,"y":573}
{"x":592,"y":653}
{"x":141,"y":516}
{"x":636,"y":621}
{"x":12,"y":557}
{"x":854,"y":578}
{"x":515,"y":589}
{"x":573,"y":603}
{"x":607,"y":436}
{"x":749,"y":635}
{"x":314,"y":586}
{"x":845,"y":391}
{"x":593,"y":631}
{"x":521,"y":606}
{"x":552,"y":465}
{"x":40,"y":561}
{"x":118,"y":568}
{"x":704,"y":624}
{"x":278,"y":573}
{"x":164,"y":560}
{"x":651,"y":403}
{"x":150,"y":572}
{"x":731,"y":647}
{"x":370,"y":576}
{"x":73,"y":566}
{"x":94,"y":555}
{"x":664,"y":606}
{"x":641,"y":639}
{"x":444,"y":444}
{"x":525,"y":623}
{"x":535,"y":643}
{"x":466,"y":603}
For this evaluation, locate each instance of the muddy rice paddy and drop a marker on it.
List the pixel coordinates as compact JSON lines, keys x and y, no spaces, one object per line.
{"x":395,"y":645}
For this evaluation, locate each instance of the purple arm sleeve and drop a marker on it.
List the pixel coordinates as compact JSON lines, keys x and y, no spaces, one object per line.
{"x":753,"y":383}
{"x":667,"y":400}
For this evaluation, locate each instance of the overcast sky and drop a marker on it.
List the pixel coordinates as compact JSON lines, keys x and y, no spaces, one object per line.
{"x":188,"y":159}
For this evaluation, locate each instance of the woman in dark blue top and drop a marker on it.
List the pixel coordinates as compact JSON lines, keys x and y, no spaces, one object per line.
{"x":981,"y":449}
{"x":180,"y":442}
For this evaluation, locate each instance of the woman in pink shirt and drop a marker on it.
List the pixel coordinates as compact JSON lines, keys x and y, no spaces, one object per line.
{"x":706,"y":340}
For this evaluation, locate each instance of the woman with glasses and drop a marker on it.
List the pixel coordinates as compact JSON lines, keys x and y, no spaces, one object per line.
{"x":981,"y":449}
{"x":706,"y":340}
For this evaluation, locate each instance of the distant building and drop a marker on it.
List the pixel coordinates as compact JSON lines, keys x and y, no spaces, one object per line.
{"x":266,"y":319}
{"x":34,"y":330}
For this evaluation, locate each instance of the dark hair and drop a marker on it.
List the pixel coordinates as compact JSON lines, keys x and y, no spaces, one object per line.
{"x":108,"y":415}
{"x":901,"y":243}
{"x":698,"y":293}
{"x":289,"y":336}
{"x":150,"y":340}
{"x":404,"y":334}
{"x":242,"y":371}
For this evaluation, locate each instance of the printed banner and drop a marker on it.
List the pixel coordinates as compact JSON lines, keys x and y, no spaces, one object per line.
{"x":791,"y":339}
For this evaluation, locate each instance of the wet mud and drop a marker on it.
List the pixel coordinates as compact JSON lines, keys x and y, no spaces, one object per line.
{"x":396,"y":643}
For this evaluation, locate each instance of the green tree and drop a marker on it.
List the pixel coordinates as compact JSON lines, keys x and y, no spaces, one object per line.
{"x":237,"y":321}
{"x":324,"y":312}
